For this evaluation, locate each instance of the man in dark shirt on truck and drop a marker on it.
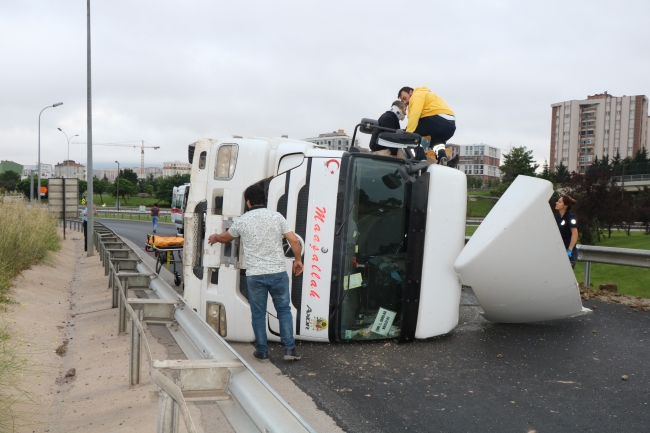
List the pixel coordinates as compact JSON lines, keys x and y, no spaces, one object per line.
{"x":389,"y":119}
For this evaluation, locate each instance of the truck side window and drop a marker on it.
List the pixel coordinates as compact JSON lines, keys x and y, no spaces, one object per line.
{"x":226,"y":161}
{"x":202,"y":159}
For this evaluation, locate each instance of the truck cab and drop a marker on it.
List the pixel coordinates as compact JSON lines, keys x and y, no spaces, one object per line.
{"x":381,"y":237}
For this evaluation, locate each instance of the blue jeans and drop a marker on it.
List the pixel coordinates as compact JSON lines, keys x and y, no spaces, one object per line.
{"x":155,"y":222}
{"x":259,"y":288}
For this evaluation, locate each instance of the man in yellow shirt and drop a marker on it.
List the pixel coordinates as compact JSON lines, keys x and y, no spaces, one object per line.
{"x":430,"y":116}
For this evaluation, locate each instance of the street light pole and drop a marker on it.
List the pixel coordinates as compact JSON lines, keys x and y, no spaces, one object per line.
{"x":89,"y":152}
{"x":66,"y":136}
{"x":117,"y":194}
{"x":39,"y":147}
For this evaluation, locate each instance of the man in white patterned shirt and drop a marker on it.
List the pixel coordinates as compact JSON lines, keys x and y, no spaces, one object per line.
{"x":261,"y":232}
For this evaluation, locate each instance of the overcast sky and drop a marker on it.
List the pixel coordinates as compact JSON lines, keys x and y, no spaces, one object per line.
{"x":170,"y":72}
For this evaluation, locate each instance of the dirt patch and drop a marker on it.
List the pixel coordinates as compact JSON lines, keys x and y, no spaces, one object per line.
{"x":613,"y":297}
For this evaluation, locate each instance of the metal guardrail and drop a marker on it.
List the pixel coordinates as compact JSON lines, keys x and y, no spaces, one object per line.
{"x":213,"y":372}
{"x":607,"y":255}
{"x":132,"y":215}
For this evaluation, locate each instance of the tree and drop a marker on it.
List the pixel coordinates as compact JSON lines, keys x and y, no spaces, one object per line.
{"x":83,"y":187}
{"x":601,"y":204}
{"x":641,"y":156}
{"x":518,"y":161}
{"x":127,"y":189}
{"x":129,"y":175}
{"x":500,"y":189}
{"x":100,"y":186}
{"x":23,"y":186}
{"x":547,"y":173}
{"x":9,"y":179}
{"x":561,"y":173}
{"x":642,"y":208}
{"x":474,"y":182}
{"x":166,"y":186}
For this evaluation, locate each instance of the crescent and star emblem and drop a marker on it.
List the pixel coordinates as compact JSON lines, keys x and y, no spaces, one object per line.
{"x":332,"y":161}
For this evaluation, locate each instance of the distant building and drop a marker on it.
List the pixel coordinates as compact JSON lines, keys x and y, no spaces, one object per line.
{"x":153,"y":171}
{"x":480,"y":160}
{"x":176,"y":167}
{"x":10,"y":166}
{"x":70,"y":169}
{"x":47,"y":170}
{"x":454,"y":150}
{"x":109,"y":173}
{"x":337,"y":140}
{"x":597,"y":126}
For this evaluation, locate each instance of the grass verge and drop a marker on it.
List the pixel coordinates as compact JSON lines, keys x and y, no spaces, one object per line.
{"x":479,"y":207}
{"x":133,"y":201}
{"x":27,"y":236}
{"x":630,"y":280}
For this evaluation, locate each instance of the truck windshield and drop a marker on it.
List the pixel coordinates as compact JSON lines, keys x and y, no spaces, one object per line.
{"x":375,"y":251}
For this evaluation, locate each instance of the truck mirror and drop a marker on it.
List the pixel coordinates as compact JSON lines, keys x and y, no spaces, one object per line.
{"x":366,"y":125}
{"x":392,"y":180}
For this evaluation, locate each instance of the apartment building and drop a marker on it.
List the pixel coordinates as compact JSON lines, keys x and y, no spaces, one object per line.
{"x":176,"y":167}
{"x":70,"y":169}
{"x":480,"y":160}
{"x":597,"y":126}
{"x":337,"y":140}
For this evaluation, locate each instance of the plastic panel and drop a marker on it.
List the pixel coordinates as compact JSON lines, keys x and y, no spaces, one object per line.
{"x":516,"y":262}
{"x":445,"y":238}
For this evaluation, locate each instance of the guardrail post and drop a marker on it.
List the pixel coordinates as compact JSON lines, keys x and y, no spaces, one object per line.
{"x":136,"y":349}
{"x":587,"y":278}
{"x":167,"y":414}
{"x":113,"y":285}
{"x":121,"y":307}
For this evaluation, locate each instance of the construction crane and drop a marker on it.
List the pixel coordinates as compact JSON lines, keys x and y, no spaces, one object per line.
{"x":127,"y":144}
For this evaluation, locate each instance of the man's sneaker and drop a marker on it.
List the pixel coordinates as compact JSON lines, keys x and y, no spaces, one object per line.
{"x":261,"y":356}
{"x":443,"y":161}
{"x":291,"y":354}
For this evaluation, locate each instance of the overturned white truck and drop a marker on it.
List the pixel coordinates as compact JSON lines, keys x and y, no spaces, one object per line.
{"x":384,"y":242}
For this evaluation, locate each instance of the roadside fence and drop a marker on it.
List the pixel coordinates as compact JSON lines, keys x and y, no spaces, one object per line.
{"x":213,"y":372}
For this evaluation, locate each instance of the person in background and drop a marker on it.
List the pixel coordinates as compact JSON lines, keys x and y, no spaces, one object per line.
{"x":155,"y":213}
{"x":390,"y":119}
{"x":84,"y":218}
{"x":568,"y":225}
{"x":261,"y":232}
{"x":430,"y":116}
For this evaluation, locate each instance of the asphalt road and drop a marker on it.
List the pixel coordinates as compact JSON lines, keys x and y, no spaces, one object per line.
{"x":136,"y":230}
{"x":560,"y":376}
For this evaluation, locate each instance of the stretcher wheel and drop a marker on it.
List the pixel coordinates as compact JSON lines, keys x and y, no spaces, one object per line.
{"x":177,"y":279}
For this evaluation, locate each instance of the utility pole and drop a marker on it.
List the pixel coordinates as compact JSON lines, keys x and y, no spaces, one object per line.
{"x":89,"y":164}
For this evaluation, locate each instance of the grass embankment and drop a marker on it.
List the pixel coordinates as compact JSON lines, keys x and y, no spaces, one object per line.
{"x":27,"y":236}
{"x":479,"y":207}
{"x":133,"y":201}
{"x":630,"y":281}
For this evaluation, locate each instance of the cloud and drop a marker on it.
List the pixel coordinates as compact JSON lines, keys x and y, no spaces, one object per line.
{"x":169,"y":73}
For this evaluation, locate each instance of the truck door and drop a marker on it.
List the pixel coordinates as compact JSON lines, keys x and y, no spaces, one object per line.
{"x":283,"y":193}
{"x":516,"y":262}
